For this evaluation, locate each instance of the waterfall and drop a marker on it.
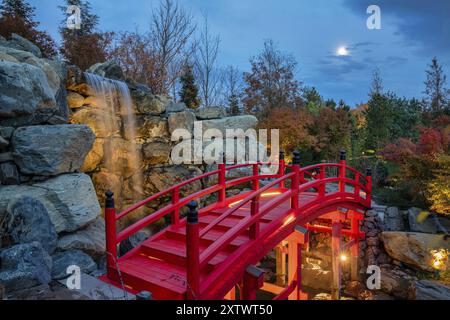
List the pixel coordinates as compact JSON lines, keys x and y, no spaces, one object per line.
{"x":115,"y":101}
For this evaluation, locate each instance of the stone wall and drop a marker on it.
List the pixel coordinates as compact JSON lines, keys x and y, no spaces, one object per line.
{"x":157,"y":117}
{"x":49,"y":213}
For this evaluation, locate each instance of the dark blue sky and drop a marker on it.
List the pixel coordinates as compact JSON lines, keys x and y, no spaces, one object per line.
{"x":413,"y":31}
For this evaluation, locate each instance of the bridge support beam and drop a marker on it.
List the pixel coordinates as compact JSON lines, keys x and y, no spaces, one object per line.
{"x":355,"y":218}
{"x":252,"y":282}
{"x":296,"y":243}
{"x":336,"y":245}
{"x":281,"y":270}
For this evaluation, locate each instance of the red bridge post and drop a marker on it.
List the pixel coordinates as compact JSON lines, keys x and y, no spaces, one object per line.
{"x":110,"y":228}
{"x":295,"y":184}
{"x":192,"y":252}
{"x":252,"y":282}
{"x":342,"y":170}
{"x":222,"y":180}
{"x":281,"y":168}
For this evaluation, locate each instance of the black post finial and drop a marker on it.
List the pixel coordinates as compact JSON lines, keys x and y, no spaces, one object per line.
{"x":109,"y":200}
{"x":192,"y":216}
{"x":369,"y":172}
{"x":282,"y":155}
{"x":343,"y":155}
{"x":297,"y":159}
{"x":144,"y":295}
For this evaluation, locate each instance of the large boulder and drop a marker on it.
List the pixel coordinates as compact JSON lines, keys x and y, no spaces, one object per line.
{"x":209,"y":113}
{"x":70,"y":200}
{"x":420,"y":221}
{"x":395,"y":282}
{"x":63,"y":260}
{"x":100,"y":121}
{"x":28,"y":221}
{"x":90,"y":240}
{"x":109,"y":69}
{"x":147,"y":103}
{"x":239,"y":122}
{"x":314,"y":277}
{"x":25,"y":266}
{"x":25,"y":95}
{"x":182,"y":120}
{"x":51,"y":150}
{"x":156,"y":152}
{"x":428,"y":290}
{"x":174,"y":107}
{"x":94,"y":157}
{"x":150,"y":128}
{"x":25,"y":45}
{"x":414,"y":249}
{"x":75,"y":100}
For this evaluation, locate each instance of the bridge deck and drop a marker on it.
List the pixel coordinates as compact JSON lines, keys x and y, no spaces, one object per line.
{"x":158,"y":264}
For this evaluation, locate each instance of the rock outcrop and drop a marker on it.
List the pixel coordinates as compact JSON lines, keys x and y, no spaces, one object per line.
{"x":51,"y":150}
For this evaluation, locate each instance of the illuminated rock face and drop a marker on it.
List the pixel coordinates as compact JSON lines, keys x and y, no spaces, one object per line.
{"x":413,"y":249}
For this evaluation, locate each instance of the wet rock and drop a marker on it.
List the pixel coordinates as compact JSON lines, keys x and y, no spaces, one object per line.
{"x":104,"y":181}
{"x":9,"y":174}
{"x":90,"y":240}
{"x":97,"y":119}
{"x":27,"y":221}
{"x":413,"y":249}
{"x":314,"y":277}
{"x":6,"y":132}
{"x":63,"y":260}
{"x":25,"y":266}
{"x":107,"y":69}
{"x":3,"y":143}
{"x":25,"y":95}
{"x":75,"y":100}
{"x":209,"y":113}
{"x":94,"y":157}
{"x":150,"y":128}
{"x":51,"y":150}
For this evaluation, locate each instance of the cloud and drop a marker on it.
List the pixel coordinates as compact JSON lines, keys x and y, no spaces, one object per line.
{"x":424,"y":24}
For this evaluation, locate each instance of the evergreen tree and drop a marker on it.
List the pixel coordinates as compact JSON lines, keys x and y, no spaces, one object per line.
{"x":17,"y":16}
{"x":233,"y":102}
{"x":189,"y":89}
{"x":377,"y":83}
{"x":86,"y":46}
{"x":436,"y":100}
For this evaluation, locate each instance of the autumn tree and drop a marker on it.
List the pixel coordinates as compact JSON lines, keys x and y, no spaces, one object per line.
{"x":17,"y":16}
{"x":439,"y":187}
{"x":294,"y":127}
{"x":134,"y":53}
{"x":171,"y":29}
{"x":271,"y":82}
{"x":437,"y":95}
{"x":85,"y":46}
{"x":189,"y":89}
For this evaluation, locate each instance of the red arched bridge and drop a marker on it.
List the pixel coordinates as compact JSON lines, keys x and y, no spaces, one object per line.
{"x":215,"y":249}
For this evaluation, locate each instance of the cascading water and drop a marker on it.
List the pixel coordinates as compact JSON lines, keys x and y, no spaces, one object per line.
{"x":114,"y":99}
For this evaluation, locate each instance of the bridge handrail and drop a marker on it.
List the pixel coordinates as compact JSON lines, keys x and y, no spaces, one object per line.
{"x":231,"y":234}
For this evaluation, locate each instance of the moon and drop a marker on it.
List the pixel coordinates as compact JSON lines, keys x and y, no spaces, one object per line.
{"x":342,"y":51}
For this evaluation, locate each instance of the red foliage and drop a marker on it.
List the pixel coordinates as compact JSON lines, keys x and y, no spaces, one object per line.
{"x":400,"y":151}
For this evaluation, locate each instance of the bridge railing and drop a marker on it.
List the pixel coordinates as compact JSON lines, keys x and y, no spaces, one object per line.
{"x":301,"y":179}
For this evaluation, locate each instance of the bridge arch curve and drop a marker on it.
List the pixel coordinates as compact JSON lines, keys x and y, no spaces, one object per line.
{"x":210,"y":252}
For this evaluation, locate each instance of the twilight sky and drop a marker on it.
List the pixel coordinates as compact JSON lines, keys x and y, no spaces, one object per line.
{"x":413,"y":31}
